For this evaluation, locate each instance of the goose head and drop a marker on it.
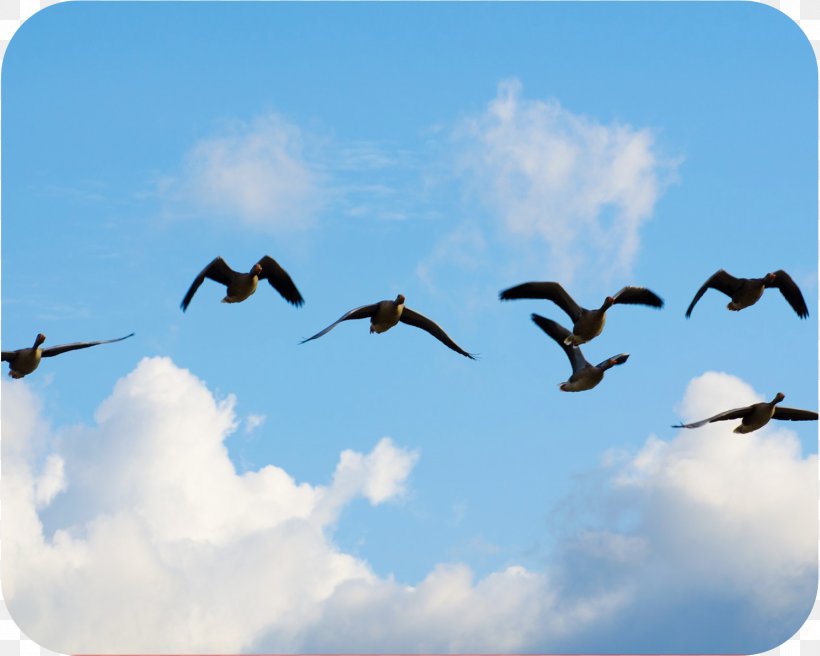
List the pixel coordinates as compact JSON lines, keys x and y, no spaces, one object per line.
{"x":257,"y":269}
{"x":39,"y":340}
{"x":778,"y":398}
{"x":608,"y":303}
{"x":399,"y":300}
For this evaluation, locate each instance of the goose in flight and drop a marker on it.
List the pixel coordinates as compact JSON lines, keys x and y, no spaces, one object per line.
{"x":242,"y":285}
{"x":386,"y":314}
{"x":587,"y":324}
{"x":757,"y":415}
{"x":24,"y":361}
{"x":747,"y":291}
{"x":584,"y":376}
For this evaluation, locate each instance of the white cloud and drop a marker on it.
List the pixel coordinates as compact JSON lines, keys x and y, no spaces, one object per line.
{"x":255,"y":173}
{"x":156,"y":543}
{"x":750,"y":494}
{"x":252,"y":422}
{"x":51,"y":481}
{"x":166,"y":541}
{"x":449,"y":611}
{"x":581,"y":187}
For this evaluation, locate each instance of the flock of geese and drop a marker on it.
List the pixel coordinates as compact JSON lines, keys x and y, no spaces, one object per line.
{"x":587,"y":324}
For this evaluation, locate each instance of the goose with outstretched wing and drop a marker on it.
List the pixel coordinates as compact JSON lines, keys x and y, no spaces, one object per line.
{"x":584,"y":376}
{"x":386,"y":314}
{"x":24,"y":361}
{"x":586,"y":324}
{"x":756,"y":415}
{"x":747,"y":291}
{"x":240,"y":286}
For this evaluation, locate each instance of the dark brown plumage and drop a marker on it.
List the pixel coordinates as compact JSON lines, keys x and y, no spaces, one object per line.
{"x":584,"y":376}
{"x":386,"y":314}
{"x":587,"y":324}
{"x":747,"y":291}
{"x":241,"y":285}
{"x":756,"y":415}
{"x":24,"y":361}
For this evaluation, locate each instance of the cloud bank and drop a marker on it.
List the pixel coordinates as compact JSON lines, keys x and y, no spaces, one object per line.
{"x":582,"y":188}
{"x":137,"y":534}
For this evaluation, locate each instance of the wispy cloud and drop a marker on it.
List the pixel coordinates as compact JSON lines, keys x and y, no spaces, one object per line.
{"x":463,"y":247}
{"x":562,"y":180}
{"x":138,"y":534}
{"x":252,"y":422}
{"x":256,"y":173}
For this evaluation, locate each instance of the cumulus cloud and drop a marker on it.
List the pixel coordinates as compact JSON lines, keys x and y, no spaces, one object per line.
{"x":708,"y":519}
{"x":156,"y":542}
{"x":138,"y":534}
{"x":579,"y":186}
{"x":255,"y":173}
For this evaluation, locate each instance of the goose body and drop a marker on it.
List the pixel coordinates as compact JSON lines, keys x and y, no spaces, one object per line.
{"x":386,"y":314}
{"x":745,"y":292}
{"x":757,"y":415}
{"x":24,"y":361}
{"x":240,"y":286}
{"x":584,"y":376}
{"x":587,"y":324}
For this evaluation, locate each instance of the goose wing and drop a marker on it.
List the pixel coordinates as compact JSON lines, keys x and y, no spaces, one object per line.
{"x":638,"y":296}
{"x":720,"y":280}
{"x":412,"y":318}
{"x":280,"y":280}
{"x":614,"y":360}
{"x":792,"y":414}
{"x":358,"y":313}
{"x":56,"y":350}
{"x":551,"y":291}
{"x":558,"y":333}
{"x":737,"y":413}
{"x":791,"y":292}
{"x":217,"y":270}
{"x":8,"y":356}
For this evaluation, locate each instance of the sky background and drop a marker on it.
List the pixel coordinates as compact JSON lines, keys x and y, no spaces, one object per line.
{"x":383,"y":492}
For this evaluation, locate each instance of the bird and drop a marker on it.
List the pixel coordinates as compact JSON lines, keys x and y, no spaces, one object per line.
{"x":24,"y":361}
{"x":747,"y":291}
{"x":584,"y":376}
{"x":242,"y":285}
{"x":386,"y":314}
{"x":757,"y":415}
{"x":587,"y":324}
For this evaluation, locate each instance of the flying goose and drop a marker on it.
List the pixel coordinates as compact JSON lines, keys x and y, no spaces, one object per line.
{"x":747,"y":291}
{"x":584,"y":375}
{"x":242,"y":285}
{"x":587,"y":324}
{"x":756,"y":415}
{"x":23,"y":361}
{"x":386,"y":314}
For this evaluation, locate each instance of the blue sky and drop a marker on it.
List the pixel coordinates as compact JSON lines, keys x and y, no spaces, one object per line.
{"x":446,"y":152}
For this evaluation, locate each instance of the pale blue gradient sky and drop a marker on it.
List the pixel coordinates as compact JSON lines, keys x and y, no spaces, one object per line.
{"x":110,"y":110}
